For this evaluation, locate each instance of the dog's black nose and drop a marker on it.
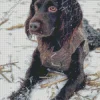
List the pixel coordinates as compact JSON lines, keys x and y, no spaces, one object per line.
{"x":34,"y":26}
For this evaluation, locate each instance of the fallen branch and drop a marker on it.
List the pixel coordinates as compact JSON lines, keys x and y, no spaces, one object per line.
{"x":97,"y":74}
{"x":1,"y":67}
{"x":97,"y":50}
{"x":50,"y":75}
{"x":50,"y":84}
{"x":6,"y":71}
{"x":12,"y":63}
{"x":8,"y":13}
{"x":16,"y":66}
{"x":3,"y":70}
{"x":90,"y":83}
{"x":4,"y":21}
{"x":93,"y":83}
{"x":15,"y":27}
{"x":23,"y":46}
{"x":5,"y":77}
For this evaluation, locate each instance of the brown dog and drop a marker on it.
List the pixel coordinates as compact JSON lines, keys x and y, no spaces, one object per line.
{"x":62,"y":45}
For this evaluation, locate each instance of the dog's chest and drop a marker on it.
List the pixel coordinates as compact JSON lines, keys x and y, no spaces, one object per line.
{"x":55,"y":60}
{"x":60,"y":60}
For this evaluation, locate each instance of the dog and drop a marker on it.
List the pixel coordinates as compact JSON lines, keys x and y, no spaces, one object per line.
{"x":62,"y":45}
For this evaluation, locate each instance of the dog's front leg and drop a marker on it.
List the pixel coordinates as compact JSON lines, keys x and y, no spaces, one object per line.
{"x":75,"y":74}
{"x":70,"y":87}
{"x":32,"y":77}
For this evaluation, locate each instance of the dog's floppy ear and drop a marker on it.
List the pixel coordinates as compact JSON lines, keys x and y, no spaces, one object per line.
{"x":72,"y":15}
{"x":31,"y":14}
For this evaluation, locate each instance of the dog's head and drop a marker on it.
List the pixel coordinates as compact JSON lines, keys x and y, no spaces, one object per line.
{"x":53,"y":17}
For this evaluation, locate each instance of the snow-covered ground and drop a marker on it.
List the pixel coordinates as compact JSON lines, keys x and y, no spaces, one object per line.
{"x":15,"y":47}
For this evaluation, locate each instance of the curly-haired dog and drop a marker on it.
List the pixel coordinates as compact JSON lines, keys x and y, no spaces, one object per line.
{"x":62,"y":45}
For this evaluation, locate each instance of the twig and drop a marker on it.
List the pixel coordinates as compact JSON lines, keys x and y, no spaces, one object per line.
{"x":2,"y":70}
{"x":22,"y":46}
{"x":5,"y":77}
{"x":6,"y":71}
{"x":12,"y":63}
{"x":16,"y":66}
{"x":50,"y":75}
{"x":95,"y":74}
{"x":54,"y":74}
{"x":93,"y":83}
{"x":12,"y":77}
{"x":15,"y":27}
{"x":8,"y":13}
{"x":1,"y":67}
{"x":4,"y":21}
{"x":49,"y":84}
{"x":97,"y":48}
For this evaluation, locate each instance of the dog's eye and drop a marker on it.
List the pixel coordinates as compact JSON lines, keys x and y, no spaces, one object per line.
{"x":52,"y":9}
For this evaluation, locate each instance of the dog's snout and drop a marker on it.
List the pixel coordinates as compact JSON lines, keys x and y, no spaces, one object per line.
{"x":34,"y":26}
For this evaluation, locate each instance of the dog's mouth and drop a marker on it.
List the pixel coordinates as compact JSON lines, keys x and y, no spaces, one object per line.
{"x":40,"y":33}
{"x":35,"y":34}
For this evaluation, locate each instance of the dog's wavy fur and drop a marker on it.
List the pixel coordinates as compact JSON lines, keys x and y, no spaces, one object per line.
{"x":68,"y":35}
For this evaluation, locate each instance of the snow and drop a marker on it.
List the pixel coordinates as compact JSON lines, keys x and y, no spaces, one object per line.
{"x":14,"y":44}
{"x":91,"y":10}
{"x":49,"y":92}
